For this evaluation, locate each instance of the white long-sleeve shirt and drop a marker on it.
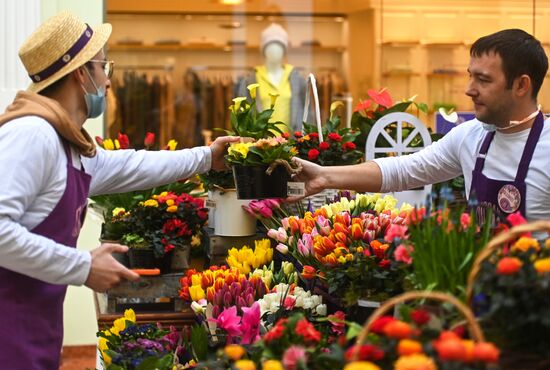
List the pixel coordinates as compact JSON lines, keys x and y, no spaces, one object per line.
{"x":33,"y":176}
{"x":456,"y":154}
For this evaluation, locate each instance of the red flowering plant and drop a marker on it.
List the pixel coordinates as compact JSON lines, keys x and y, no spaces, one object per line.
{"x":511,"y":290}
{"x":345,"y":248}
{"x":113,"y":207}
{"x":336,"y":149}
{"x":167,"y":220}
{"x":370,"y":110}
{"x":422,"y":339}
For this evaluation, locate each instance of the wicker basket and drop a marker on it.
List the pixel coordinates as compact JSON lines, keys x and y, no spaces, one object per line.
{"x":509,"y":359}
{"x":473,"y":326}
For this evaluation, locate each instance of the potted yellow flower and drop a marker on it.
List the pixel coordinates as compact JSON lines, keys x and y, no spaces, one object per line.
{"x":261,"y":167}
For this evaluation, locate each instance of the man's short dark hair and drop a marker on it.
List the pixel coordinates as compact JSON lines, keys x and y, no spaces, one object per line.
{"x":520,"y":52}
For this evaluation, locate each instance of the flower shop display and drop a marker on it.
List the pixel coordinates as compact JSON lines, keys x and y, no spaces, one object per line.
{"x":343,"y":248}
{"x":380,"y":103}
{"x":109,"y":206}
{"x":270,"y":212}
{"x":165,"y":224}
{"x":128,"y":346}
{"x":421,"y":339}
{"x":263,"y":167}
{"x":509,"y":289}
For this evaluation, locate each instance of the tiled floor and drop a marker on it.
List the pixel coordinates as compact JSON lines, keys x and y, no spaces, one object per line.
{"x":78,"y":358}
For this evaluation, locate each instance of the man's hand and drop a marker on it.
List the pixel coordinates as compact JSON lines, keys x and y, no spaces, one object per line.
{"x":313,"y":177}
{"x":218,"y":148}
{"x":106,"y":272}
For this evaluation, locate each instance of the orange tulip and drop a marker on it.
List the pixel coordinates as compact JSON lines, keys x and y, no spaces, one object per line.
{"x":308,"y":272}
{"x":398,"y":330}
{"x":357,"y":231}
{"x":408,"y":347}
{"x":450,"y":349}
{"x":486,"y":352}
{"x":508,"y":266}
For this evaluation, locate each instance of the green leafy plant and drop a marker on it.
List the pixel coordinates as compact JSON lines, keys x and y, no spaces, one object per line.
{"x":216,"y":180}
{"x":246,"y":121}
{"x":445,"y":244}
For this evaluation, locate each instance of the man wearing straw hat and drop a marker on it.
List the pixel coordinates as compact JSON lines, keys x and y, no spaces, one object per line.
{"x":502,"y":153}
{"x":49,"y":166}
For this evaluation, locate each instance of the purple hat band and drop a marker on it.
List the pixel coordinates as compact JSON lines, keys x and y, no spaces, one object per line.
{"x":65,"y":58}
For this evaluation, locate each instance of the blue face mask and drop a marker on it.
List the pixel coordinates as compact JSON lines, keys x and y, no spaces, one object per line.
{"x":94,"y":102}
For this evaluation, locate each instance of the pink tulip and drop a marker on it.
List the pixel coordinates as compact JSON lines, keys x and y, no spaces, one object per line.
{"x":283,"y":249}
{"x":305,"y":246}
{"x":285,"y":223}
{"x":279,"y":235}
{"x":272,"y":203}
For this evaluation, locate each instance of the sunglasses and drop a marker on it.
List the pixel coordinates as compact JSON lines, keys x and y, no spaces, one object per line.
{"x":108,"y":66}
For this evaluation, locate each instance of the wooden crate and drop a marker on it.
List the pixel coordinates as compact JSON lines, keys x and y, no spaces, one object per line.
{"x":155,"y":299}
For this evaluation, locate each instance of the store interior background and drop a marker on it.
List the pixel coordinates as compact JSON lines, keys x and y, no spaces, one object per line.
{"x":412,"y":47}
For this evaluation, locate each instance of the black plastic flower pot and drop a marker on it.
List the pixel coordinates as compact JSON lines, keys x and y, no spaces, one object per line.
{"x":254,"y":183}
{"x":142,"y":258}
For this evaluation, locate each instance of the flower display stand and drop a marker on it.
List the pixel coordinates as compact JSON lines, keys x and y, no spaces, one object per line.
{"x":153,"y":298}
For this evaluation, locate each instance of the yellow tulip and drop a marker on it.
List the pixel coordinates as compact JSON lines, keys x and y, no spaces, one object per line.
{"x":542,"y":265}
{"x":130,"y":315}
{"x":108,"y":144}
{"x":361,"y":365}
{"x":172,"y":144}
{"x":525,"y":243}
{"x":245,"y":365}
{"x":252,"y":89}
{"x":172,"y":209}
{"x":117,"y":144}
{"x":103,"y":347}
{"x":196,"y":292}
{"x":234,"y":351}
{"x":272,"y":365}
{"x":196,"y":279}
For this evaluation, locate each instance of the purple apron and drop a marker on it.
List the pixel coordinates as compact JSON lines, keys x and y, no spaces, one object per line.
{"x":504,"y":197}
{"x":31,"y":311}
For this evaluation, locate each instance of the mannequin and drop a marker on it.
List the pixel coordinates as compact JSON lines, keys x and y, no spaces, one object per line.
{"x":277,"y":77}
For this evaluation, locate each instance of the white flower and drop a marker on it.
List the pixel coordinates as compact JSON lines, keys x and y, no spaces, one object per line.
{"x":321,"y":310}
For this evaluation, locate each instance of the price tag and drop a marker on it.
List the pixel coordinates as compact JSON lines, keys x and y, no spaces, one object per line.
{"x":209,"y":203}
{"x":296,"y":189}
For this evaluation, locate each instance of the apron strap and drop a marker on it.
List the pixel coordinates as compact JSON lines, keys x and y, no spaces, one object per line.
{"x":530,"y":146}
{"x":480,"y":161}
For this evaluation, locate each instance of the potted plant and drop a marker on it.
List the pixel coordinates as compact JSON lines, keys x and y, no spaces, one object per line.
{"x":509,"y":289}
{"x":222,"y":201}
{"x":261,"y":167}
{"x":334,"y":147}
{"x":172,"y":225}
{"x":111,"y":206}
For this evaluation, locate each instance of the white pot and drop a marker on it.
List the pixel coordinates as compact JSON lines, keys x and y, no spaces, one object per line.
{"x":231,"y":219}
{"x":211,"y":205}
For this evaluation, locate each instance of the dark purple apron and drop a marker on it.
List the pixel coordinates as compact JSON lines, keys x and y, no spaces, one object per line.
{"x":504,"y":197}
{"x":31,"y":311}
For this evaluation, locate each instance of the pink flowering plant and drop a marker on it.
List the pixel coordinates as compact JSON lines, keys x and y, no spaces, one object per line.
{"x":378,"y":104}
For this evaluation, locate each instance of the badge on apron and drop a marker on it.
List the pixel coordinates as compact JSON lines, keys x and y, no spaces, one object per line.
{"x":509,"y":198}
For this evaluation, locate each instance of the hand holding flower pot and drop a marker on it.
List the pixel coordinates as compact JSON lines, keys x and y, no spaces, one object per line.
{"x":263,"y":167}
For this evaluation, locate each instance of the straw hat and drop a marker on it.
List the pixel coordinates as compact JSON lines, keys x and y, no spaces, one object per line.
{"x":59,"y":46}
